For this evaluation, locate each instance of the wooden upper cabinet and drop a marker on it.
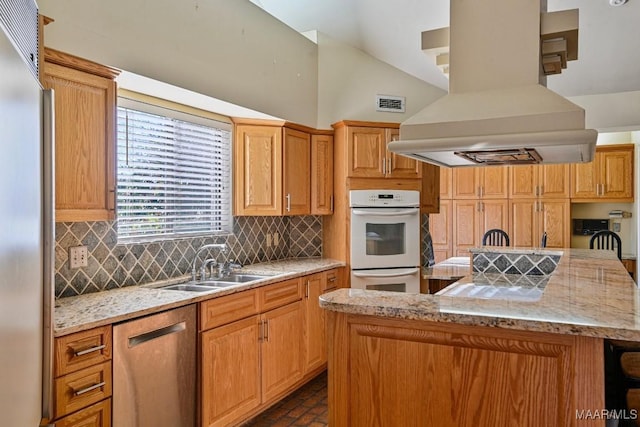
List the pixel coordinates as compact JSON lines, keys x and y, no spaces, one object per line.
{"x":297,"y":172}
{"x":366,"y":152}
{"x":608,"y":177}
{"x":490,"y":182}
{"x":546,"y":181}
{"x":257,"y":165}
{"x":400,"y":166}
{"x":430,"y":192}
{"x":530,"y":218}
{"x":368,"y":157}
{"x":85,"y":135}
{"x":321,"y":174}
{"x":273,"y":167}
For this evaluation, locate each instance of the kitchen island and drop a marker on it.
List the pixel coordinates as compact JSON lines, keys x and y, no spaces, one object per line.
{"x":482,"y":356}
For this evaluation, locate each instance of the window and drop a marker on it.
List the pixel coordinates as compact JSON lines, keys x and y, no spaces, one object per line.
{"x":173,"y":173}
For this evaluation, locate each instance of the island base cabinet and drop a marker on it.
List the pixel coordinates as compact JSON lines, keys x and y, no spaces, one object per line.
{"x":385,"y":372}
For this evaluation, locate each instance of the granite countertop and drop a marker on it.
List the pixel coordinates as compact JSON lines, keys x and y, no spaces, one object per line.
{"x":88,"y":311}
{"x":589,"y":293}
{"x":449,"y":269}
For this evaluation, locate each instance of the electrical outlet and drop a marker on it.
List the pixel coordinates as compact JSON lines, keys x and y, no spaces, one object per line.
{"x":616,"y":227}
{"x":268,"y":240}
{"x":276,"y":239}
{"x":78,"y":257}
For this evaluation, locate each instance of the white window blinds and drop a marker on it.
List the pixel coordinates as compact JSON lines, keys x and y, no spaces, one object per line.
{"x":173,"y":173}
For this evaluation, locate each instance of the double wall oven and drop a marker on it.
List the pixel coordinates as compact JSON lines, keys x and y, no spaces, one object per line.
{"x":385,"y":240}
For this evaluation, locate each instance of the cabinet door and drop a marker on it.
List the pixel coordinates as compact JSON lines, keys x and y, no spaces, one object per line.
{"x":494,"y":213}
{"x":441,"y":231}
{"x":616,"y":174}
{"x":257,"y":164}
{"x":366,"y":150}
{"x":296,"y":160}
{"x":523,"y":182}
{"x":400,"y":166}
{"x":85,"y":144}
{"x":230,"y":371}
{"x":281,"y":349}
{"x":584,"y":178}
{"x":430,"y":191}
{"x":446,"y":183}
{"x":466,"y":183}
{"x":321,"y":175}
{"x":524,"y":229}
{"x":553,"y":181}
{"x":315,"y":351}
{"x":494,"y":182}
{"x":465,"y":226}
{"x":555,"y":219}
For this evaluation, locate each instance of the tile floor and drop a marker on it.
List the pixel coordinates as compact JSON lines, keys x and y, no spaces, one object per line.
{"x":306,"y":406}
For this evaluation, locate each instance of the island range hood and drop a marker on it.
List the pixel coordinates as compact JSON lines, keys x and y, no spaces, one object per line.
{"x":498,"y":110}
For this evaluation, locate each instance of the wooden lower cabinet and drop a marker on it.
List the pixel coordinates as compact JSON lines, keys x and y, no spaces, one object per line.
{"x":275,"y":342}
{"x":530,"y":218}
{"x":391,"y":372}
{"x":230,"y":371}
{"x":82,"y":382}
{"x":98,"y":415}
{"x":281,"y":350}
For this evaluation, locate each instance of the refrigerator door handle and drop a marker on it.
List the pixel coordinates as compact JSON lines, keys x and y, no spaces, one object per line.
{"x":48,"y":228}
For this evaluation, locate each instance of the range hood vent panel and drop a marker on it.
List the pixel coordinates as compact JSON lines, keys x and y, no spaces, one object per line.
{"x":492,"y":105}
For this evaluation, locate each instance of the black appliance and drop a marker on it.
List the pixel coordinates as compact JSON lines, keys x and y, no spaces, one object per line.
{"x":588,"y":227}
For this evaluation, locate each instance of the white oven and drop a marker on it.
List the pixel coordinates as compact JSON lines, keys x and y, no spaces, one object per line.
{"x":387,"y":279}
{"x":385,"y":236}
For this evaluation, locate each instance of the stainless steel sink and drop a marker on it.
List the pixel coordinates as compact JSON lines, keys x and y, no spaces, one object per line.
{"x":191,"y":287}
{"x":239,"y":278}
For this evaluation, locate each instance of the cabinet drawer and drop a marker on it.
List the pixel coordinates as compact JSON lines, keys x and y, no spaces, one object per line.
{"x":333,"y":280}
{"x":98,"y":415}
{"x":279,"y":294}
{"x":80,"y":350}
{"x":83,"y":388}
{"x":227,"y":309}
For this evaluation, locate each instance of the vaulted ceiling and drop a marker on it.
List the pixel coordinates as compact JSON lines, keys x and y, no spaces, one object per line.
{"x":609,"y":45}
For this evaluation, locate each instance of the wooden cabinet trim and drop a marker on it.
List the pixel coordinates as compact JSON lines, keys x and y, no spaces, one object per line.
{"x":71,"y":61}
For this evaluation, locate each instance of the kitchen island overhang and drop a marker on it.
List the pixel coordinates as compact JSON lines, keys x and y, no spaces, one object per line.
{"x":403,"y":359}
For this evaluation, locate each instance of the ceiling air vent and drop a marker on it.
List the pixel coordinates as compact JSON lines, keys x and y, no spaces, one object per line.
{"x":393,"y":104}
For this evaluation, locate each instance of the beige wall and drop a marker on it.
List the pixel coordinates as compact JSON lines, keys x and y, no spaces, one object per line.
{"x":349,"y":80}
{"x":611,"y":112}
{"x":228,"y":49}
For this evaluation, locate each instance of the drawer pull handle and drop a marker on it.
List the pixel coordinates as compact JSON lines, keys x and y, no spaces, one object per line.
{"x":333,"y":279}
{"x":90,"y":388}
{"x":89,"y":350}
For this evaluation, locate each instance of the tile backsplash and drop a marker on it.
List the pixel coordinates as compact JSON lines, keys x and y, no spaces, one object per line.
{"x":112,"y":265}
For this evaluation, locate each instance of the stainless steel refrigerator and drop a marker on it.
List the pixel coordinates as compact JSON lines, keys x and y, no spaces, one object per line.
{"x":26,"y":222}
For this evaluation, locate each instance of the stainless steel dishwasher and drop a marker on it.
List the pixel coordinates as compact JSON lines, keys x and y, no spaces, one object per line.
{"x":154,"y":370}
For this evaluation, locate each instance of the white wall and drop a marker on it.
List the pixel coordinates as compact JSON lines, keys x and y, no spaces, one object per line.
{"x":349,"y":80}
{"x":231,"y":50}
{"x":611,"y":112}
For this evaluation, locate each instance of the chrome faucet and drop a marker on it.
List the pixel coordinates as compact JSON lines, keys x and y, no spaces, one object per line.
{"x":222,"y":247}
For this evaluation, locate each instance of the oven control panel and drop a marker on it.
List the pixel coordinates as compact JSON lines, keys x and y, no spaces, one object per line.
{"x":384,"y":198}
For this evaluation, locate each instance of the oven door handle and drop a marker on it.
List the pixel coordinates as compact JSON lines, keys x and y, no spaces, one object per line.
{"x":399,"y":274}
{"x":399,"y":212}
